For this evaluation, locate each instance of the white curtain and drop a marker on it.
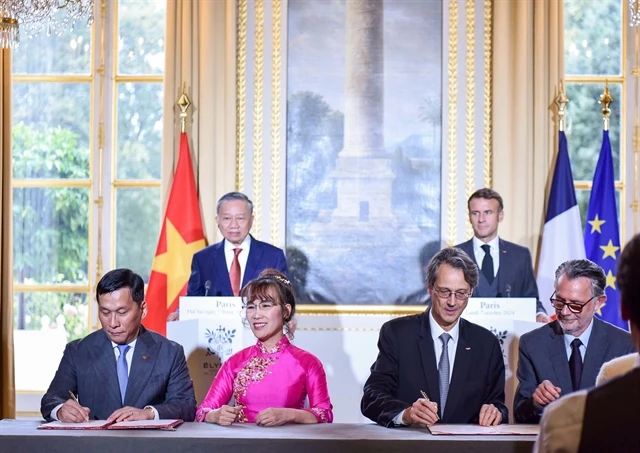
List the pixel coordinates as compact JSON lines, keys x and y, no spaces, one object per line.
{"x":528,"y":63}
{"x":200,"y":52}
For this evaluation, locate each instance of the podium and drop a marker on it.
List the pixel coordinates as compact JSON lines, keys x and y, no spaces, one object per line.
{"x":508,"y":319}
{"x":210,"y":330}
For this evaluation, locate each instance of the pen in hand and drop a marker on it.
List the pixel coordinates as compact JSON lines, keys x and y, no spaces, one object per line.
{"x":75,"y":398}
{"x":424,"y":395}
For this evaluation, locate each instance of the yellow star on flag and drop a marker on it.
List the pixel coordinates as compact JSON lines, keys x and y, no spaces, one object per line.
{"x":609,"y":250}
{"x":611,"y":280}
{"x":596,"y":224}
{"x":175,"y":263}
{"x":599,"y":310}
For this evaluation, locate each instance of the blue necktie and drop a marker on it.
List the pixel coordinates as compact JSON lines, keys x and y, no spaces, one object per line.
{"x":443,"y":371}
{"x":123,"y":371}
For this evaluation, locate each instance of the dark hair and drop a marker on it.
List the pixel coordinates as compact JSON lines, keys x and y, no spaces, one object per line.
{"x":271,"y":282}
{"x":628,"y":278}
{"x":487,"y":194}
{"x":234,"y":196}
{"x":584,"y":268}
{"x":457,"y":259}
{"x":118,"y":279}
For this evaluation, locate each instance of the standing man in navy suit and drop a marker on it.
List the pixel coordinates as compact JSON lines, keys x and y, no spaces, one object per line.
{"x":506,"y":268}
{"x":222,"y":269}
{"x":122,"y":372}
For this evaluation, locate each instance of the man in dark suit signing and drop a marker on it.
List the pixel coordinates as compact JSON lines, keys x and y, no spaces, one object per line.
{"x":506,"y":268}
{"x":604,"y":418}
{"x":458,"y":365}
{"x":223,"y":269}
{"x":123,"y":371}
{"x":566,"y":355}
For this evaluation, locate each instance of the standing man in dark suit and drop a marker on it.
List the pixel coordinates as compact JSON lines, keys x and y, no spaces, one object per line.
{"x":222,"y":269}
{"x":123,"y":371}
{"x":566,"y":355}
{"x":605,"y":418}
{"x":458,"y":365}
{"x":507,"y":269}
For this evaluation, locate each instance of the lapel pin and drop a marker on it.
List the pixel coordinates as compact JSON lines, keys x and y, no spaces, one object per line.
{"x":145,"y":357}
{"x":467,"y":349}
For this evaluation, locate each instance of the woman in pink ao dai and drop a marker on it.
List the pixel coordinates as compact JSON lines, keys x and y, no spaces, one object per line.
{"x":270,"y":380}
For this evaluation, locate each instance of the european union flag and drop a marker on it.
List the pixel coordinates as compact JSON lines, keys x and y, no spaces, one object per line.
{"x":602,"y":236}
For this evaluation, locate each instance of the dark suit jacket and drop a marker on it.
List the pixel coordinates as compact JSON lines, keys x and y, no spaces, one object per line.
{"x":515,"y":273}
{"x":158,"y":377}
{"x":543,"y":356}
{"x":210,"y":264}
{"x":618,"y":433}
{"x":406,"y":364}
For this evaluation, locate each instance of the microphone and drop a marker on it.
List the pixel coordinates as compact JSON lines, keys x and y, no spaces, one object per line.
{"x":507,"y":289}
{"x":207,"y":287}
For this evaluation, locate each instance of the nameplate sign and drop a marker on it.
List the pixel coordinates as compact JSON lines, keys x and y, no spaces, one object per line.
{"x":210,"y":307}
{"x":508,"y":308}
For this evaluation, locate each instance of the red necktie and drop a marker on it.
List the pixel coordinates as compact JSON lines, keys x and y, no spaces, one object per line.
{"x":234,"y":273}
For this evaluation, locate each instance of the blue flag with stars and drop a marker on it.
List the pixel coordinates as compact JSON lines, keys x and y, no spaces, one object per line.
{"x":602,"y":236}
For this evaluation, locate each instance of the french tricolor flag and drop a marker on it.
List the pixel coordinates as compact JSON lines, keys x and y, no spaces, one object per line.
{"x":562,"y":237}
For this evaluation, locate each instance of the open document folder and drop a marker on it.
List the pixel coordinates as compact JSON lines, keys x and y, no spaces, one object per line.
{"x":477,"y":430}
{"x":103,"y":424}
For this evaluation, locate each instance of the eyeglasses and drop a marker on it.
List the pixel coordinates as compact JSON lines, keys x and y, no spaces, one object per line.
{"x":445,"y":293}
{"x":265,"y":305}
{"x":574,"y":307}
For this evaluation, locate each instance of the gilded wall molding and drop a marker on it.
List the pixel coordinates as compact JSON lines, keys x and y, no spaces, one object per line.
{"x":452,"y":130}
{"x":487,"y":94}
{"x":470,"y":107}
{"x":241,"y":91}
{"x":258,"y":115}
{"x":276,"y":123}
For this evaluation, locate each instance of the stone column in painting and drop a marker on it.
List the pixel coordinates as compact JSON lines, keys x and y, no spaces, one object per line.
{"x":363,"y":171}
{"x":364,"y":93}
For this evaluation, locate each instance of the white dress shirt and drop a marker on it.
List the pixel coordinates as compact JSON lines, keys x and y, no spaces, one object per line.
{"x":436,"y":331}
{"x":494,"y":250}
{"x":242,"y":257}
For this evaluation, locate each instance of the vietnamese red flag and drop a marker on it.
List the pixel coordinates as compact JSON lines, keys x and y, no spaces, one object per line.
{"x":180,"y":237}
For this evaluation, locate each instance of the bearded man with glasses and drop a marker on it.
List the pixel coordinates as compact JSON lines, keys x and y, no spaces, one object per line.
{"x":566,"y":355}
{"x":436,"y":367}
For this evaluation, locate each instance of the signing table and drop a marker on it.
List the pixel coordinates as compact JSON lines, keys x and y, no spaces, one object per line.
{"x":18,"y":436}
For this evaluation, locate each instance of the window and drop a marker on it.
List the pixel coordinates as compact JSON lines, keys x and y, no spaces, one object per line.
{"x":594,"y":55}
{"x":76,"y":131}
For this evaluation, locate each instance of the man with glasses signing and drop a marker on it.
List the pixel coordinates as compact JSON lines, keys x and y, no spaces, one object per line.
{"x":566,"y":355}
{"x":435,"y":367}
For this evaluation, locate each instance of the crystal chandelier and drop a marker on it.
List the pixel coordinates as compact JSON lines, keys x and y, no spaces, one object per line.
{"x":634,"y":13}
{"x":31,"y":16}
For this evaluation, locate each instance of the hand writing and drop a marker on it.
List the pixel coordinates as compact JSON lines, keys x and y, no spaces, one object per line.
{"x":72,"y":412}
